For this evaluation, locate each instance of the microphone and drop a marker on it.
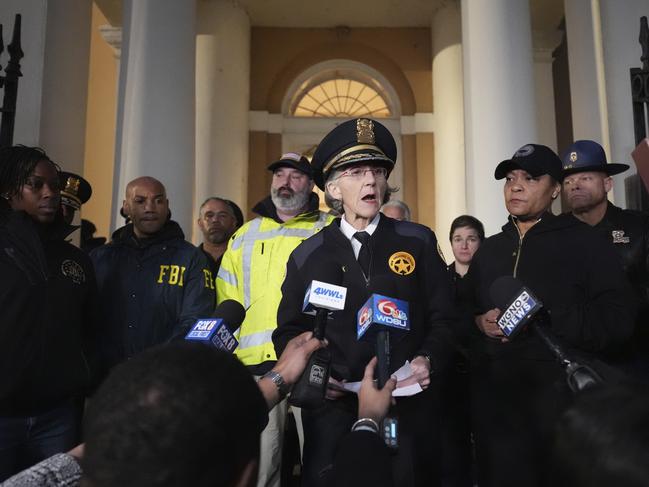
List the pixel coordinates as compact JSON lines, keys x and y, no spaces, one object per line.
{"x":218,"y":330}
{"x":321,"y":298}
{"x":523,"y":309}
{"x":381,"y":318}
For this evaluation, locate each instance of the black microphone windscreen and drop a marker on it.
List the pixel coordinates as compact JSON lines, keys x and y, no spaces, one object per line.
{"x":231,"y":312}
{"x":503,"y":290}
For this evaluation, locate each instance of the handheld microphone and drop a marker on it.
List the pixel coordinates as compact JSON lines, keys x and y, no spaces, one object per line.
{"x":379,"y":318}
{"x":218,"y":330}
{"x":320,"y":299}
{"x":525,"y":308}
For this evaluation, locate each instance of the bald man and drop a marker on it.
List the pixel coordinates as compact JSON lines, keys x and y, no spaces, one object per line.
{"x":153,"y":285}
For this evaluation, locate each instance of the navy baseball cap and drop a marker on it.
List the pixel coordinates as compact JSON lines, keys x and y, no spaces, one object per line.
{"x":536,"y":159}
{"x":360,"y":140}
{"x":294,"y":160}
{"x":588,"y":155}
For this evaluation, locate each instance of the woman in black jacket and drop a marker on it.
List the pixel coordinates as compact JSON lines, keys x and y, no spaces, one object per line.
{"x":46,"y":295}
{"x":519,"y":387}
{"x":466,"y":236}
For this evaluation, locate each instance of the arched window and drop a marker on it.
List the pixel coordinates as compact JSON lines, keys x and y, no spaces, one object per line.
{"x":341,"y":92}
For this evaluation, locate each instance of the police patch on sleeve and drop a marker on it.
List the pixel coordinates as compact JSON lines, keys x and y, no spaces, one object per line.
{"x":401,"y":263}
{"x":73,"y":270}
{"x":441,"y":254}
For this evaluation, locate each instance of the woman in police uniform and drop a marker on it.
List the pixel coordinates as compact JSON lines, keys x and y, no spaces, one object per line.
{"x":375,"y":254}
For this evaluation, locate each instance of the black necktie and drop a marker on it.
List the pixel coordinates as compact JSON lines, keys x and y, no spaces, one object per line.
{"x":364,"y":256}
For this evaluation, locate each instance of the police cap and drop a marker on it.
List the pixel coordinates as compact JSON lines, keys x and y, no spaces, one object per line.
{"x":75,"y":190}
{"x":588,"y":155}
{"x":356,"y":141}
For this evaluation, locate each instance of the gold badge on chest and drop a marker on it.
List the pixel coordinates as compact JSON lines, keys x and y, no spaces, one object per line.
{"x":402,"y":263}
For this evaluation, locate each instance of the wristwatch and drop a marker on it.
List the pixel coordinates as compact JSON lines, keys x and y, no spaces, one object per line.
{"x":278,"y":380}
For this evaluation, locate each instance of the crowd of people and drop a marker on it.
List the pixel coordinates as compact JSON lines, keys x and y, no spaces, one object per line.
{"x":93,"y":352}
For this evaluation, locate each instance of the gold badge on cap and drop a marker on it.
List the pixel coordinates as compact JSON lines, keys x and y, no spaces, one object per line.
{"x":401,"y":263}
{"x":364,"y":131}
{"x":573,"y":157}
{"x":72,"y":185}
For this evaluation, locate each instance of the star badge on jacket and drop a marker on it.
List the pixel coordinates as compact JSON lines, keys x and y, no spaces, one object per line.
{"x":402,"y":263}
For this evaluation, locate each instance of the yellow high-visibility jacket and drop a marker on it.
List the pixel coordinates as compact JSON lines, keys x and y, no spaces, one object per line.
{"x":252,"y":272}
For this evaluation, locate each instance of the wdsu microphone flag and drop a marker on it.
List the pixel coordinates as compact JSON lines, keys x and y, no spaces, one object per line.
{"x":382,"y":312}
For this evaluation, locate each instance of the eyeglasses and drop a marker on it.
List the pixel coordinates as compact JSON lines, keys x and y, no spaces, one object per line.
{"x":360,"y":172}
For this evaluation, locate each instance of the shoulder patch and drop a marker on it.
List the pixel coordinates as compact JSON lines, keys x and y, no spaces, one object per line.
{"x":73,"y":270}
{"x":441,"y":254}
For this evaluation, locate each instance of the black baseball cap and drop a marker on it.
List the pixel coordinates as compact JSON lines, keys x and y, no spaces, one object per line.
{"x":294,"y":160}
{"x":535,"y":159}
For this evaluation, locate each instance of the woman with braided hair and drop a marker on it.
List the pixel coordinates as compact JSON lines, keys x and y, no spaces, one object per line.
{"x":46,"y":295}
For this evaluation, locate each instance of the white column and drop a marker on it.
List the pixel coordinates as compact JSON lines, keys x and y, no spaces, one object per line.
{"x":65,"y":82}
{"x":222,"y":101}
{"x":544,"y":45}
{"x":621,"y":51}
{"x":499,"y":107}
{"x":448,"y":106}
{"x":587,"y":80}
{"x":155,"y":114}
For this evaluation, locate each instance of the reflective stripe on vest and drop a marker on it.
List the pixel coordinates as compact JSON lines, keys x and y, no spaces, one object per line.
{"x":255,"y":339}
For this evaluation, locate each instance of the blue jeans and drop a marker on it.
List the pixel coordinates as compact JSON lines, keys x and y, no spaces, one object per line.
{"x":26,"y":440}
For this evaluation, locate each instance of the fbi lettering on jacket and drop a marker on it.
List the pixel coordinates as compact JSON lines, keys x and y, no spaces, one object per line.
{"x":171,"y":274}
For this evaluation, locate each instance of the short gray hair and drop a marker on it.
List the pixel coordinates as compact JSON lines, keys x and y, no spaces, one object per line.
{"x":401,"y":205}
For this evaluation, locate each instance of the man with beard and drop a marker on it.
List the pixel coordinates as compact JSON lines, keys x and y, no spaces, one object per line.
{"x":587,"y":181}
{"x":152,"y":284}
{"x":252,"y":271}
{"x":218,"y":219}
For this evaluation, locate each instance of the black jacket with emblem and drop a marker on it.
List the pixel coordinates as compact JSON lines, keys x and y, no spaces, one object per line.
{"x":426,"y":288}
{"x":628,"y":231}
{"x":150,"y":290}
{"x":47,"y":297}
{"x":420,"y":279}
{"x":519,"y":388}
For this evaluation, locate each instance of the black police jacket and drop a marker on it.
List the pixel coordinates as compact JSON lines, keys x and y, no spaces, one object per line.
{"x":578,"y":277}
{"x":628,"y":231}
{"x":519,"y":388}
{"x":47,"y":294}
{"x":150,"y":290}
{"x":425,"y":286}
